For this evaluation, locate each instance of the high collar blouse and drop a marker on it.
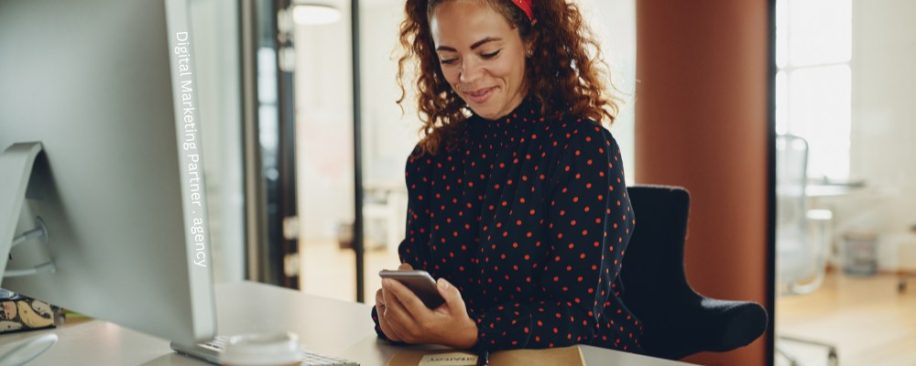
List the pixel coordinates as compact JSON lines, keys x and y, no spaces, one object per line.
{"x":528,"y":216}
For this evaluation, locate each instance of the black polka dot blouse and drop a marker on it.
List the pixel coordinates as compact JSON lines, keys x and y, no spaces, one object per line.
{"x":529,"y":218}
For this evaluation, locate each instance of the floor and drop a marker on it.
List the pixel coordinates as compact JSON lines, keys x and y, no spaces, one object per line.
{"x":868,"y":321}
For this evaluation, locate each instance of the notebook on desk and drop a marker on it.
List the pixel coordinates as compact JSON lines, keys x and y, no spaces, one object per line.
{"x":566,"y":356}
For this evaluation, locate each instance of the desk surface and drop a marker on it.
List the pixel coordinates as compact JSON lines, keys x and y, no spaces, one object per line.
{"x":820,"y":188}
{"x":330,"y":327}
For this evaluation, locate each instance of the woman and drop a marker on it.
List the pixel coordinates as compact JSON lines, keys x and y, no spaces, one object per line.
{"x":517,"y":198}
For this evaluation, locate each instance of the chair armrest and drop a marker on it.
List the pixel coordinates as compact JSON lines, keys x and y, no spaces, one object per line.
{"x":731,"y":324}
{"x":706,"y":324}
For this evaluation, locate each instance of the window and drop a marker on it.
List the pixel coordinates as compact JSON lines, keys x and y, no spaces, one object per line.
{"x":814,"y":82}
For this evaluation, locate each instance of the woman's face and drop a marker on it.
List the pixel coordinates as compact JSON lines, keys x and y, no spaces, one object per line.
{"x":481,"y":55}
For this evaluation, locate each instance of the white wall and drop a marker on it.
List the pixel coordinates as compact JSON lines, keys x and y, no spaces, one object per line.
{"x":323,"y":90}
{"x":883,"y":128}
{"x":390,"y":135}
{"x":614,"y":23}
{"x":215,"y":36}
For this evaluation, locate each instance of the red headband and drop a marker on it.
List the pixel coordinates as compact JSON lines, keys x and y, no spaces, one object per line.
{"x":526,"y":7}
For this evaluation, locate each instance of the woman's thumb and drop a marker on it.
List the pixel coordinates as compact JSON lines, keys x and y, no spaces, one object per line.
{"x":448,"y":292}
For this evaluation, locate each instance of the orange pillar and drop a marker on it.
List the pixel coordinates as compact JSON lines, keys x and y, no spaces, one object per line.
{"x":702,"y":122}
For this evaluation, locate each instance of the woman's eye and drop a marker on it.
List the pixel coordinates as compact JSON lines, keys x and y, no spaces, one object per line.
{"x":490,"y":55}
{"x":448,"y":61}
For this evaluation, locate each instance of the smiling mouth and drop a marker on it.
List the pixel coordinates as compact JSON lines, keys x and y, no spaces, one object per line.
{"x":480,"y":95}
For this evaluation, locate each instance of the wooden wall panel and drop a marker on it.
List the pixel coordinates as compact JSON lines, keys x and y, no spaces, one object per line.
{"x":702,"y":123}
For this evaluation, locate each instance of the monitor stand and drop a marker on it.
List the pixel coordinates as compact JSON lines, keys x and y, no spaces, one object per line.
{"x":16,"y":164}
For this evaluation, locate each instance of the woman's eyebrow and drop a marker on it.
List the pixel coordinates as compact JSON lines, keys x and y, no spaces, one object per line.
{"x":473,"y":46}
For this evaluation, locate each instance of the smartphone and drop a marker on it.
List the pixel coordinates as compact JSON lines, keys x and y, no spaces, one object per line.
{"x":420,"y":282}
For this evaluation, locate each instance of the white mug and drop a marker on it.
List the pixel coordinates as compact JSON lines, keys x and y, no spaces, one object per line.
{"x":271,"y":349}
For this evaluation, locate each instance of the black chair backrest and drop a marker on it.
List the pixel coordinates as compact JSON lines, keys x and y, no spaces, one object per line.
{"x":676,"y":320}
{"x":653,"y":266}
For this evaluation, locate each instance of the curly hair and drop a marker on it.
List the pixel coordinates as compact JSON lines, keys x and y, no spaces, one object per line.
{"x":564,"y":73}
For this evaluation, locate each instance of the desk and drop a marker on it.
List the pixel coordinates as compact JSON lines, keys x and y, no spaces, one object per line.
{"x":330,"y":327}
{"x":829,"y":188}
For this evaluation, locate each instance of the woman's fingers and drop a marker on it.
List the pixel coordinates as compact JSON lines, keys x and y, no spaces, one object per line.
{"x":452,"y":297}
{"x":399,"y":323}
{"x":396,"y":310}
{"x":398,"y":316}
{"x":412,"y":304}
{"x":380,"y":310}
{"x":380,"y":297}
{"x":386,"y":325}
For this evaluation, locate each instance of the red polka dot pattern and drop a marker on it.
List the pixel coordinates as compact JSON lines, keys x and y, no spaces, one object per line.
{"x":529,"y":218}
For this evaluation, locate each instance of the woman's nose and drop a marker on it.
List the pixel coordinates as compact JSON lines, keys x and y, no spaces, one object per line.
{"x":470,"y":71}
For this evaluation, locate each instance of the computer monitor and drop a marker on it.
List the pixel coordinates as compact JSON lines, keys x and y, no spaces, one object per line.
{"x":99,"y":145}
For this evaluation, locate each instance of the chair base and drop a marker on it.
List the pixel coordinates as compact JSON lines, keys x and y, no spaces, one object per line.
{"x":902,"y":279}
{"x":832,"y":357}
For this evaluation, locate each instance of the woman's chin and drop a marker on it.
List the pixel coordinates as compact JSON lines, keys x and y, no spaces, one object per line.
{"x":486,"y":112}
{"x":488,"y":116}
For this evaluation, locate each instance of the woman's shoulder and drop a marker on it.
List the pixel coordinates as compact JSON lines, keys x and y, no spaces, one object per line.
{"x":418,"y":152}
{"x":416,"y":169}
{"x":422,"y":157}
{"x":418,"y":160}
{"x":439,"y":143}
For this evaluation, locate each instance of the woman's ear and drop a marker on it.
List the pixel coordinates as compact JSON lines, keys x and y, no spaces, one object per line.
{"x":529,"y":45}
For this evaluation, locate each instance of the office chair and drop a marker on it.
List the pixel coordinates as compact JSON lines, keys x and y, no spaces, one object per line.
{"x":801,"y":261}
{"x":902,"y":277}
{"x":677,"y":321}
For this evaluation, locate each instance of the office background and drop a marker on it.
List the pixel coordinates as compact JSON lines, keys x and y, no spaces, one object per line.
{"x":697,"y":83}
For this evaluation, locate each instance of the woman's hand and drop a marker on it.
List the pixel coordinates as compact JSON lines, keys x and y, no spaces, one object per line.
{"x":404,"y":318}
{"x":381,"y":309}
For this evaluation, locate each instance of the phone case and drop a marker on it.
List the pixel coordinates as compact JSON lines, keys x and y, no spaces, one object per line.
{"x":421,"y":283}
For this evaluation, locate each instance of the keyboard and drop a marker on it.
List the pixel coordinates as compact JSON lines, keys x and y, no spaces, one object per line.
{"x":210,"y":351}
